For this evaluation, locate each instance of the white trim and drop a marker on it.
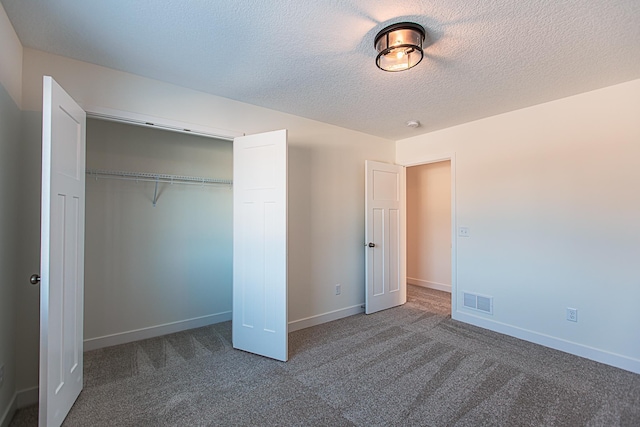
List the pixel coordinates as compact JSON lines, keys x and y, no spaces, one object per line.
{"x":20,"y":399}
{"x":427,"y":284}
{"x":330,"y":316}
{"x":8,"y":414}
{"x":27,"y":397}
{"x":602,"y":356}
{"x":137,"y":119}
{"x":454,"y":227}
{"x":154,"y":331}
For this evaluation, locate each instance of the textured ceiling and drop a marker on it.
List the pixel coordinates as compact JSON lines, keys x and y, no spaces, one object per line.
{"x":316,"y":58}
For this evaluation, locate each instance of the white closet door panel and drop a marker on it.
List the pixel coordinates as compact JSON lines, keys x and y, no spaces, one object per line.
{"x":260,"y":244}
{"x":62,"y":254}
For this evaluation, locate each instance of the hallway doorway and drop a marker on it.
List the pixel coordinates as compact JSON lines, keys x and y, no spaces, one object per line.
{"x":429,"y":225}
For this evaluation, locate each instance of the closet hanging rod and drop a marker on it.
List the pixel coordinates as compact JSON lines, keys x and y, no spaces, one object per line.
{"x":157,"y":177}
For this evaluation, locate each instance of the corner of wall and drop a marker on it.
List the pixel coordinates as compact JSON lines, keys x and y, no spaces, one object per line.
{"x":11,"y":52}
{"x":7,"y":414}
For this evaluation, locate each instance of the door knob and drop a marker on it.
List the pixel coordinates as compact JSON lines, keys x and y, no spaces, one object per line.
{"x":34,"y":279}
{"x":372,"y":245}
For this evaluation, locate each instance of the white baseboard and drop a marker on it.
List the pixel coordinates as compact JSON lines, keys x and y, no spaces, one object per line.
{"x":19,"y":400}
{"x":154,"y":331}
{"x":319,"y":319}
{"x":27,"y":397}
{"x":602,"y":356}
{"x":8,"y":413}
{"x":428,"y":284}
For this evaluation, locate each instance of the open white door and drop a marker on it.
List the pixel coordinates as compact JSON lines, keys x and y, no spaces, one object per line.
{"x":260,"y":244}
{"x":62,"y":253}
{"x":385,"y":236}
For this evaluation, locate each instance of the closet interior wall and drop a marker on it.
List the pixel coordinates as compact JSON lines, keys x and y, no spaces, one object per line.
{"x":151,"y":268}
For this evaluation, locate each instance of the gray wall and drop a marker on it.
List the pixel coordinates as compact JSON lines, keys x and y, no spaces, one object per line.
{"x":147,"y":266}
{"x":9,"y":179}
{"x":28,"y":297}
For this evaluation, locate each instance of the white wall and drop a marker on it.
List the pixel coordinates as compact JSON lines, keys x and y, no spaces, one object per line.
{"x":10,"y":100}
{"x":429,"y":225}
{"x":549,"y":194}
{"x":147,"y":266}
{"x":326,"y":183}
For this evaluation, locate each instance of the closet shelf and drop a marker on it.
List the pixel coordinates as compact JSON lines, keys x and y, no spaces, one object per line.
{"x":157,"y":178}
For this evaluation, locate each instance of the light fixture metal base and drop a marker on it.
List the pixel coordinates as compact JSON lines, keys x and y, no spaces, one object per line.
{"x":399,"y":46}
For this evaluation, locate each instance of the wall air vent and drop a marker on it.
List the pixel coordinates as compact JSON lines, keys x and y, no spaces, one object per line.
{"x":478,"y":302}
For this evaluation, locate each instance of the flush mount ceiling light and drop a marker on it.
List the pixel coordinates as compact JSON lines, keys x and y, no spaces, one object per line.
{"x":399,"y":46}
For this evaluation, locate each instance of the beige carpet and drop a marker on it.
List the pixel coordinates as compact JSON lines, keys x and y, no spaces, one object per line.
{"x":410,"y":365}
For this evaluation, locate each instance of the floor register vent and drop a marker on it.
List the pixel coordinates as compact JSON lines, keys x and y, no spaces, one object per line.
{"x":478,"y":302}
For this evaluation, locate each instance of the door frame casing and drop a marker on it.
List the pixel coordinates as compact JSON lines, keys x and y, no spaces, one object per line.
{"x":451,"y":157}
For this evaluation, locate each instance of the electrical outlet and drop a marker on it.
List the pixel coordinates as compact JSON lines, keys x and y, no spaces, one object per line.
{"x":338,"y":289}
{"x":463,"y":231}
{"x":572,"y":314}
{"x":1,"y":376}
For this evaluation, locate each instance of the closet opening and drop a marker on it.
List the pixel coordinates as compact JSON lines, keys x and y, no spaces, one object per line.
{"x":153,"y":270}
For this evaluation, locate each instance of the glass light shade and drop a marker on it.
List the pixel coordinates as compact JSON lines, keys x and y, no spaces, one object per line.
{"x":399,"y":46}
